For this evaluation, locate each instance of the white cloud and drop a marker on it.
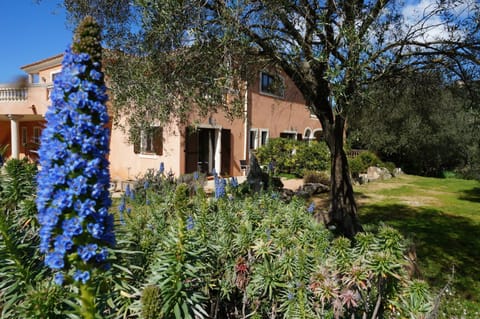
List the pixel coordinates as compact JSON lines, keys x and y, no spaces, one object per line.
{"x":425,"y":15}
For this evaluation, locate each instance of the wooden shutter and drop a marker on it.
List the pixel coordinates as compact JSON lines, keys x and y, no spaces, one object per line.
{"x":158,"y":140}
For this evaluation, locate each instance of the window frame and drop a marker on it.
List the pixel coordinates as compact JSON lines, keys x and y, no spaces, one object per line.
{"x":274,"y":93}
{"x":291,"y":135}
{"x":37,"y":132}
{"x":150,"y":142}
{"x":260,"y":137}
{"x":24,"y":136}
{"x":255,"y":139}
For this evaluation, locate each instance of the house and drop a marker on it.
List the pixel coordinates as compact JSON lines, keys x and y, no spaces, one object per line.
{"x":272,"y":109}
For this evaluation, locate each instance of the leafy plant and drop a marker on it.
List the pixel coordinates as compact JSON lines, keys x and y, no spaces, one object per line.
{"x":362,"y":162}
{"x":316,"y":177}
{"x":296,"y":157}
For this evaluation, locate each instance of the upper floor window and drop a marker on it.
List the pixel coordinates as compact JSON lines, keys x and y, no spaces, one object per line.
{"x":272,"y":84}
{"x":55,"y":75}
{"x":34,"y":78}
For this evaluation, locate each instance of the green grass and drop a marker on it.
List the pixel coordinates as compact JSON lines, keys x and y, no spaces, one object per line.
{"x":442,"y":217}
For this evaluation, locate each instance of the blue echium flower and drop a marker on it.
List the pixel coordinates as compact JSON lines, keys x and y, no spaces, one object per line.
{"x":190,"y":223}
{"x":195,"y":175}
{"x":76,"y":228}
{"x":161,"y":170}
{"x":128,"y":191}
{"x":220,"y":184}
{"x":234,"y":182}
{"x":271,"y":167}
{"x":311,"y":208}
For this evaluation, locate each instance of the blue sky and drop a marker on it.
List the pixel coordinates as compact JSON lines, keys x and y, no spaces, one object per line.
{"x":30,"y":32}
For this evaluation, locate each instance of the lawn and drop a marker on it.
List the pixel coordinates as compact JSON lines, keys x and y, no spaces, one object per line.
{"x":442,"y":217}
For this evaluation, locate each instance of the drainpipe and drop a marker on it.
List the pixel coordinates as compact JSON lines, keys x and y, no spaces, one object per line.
{"x":247,"y":131}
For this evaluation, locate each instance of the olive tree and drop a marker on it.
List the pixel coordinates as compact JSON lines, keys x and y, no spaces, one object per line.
{"x":171,"y":57}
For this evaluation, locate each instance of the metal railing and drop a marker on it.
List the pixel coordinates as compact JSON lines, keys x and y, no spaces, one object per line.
{"x":9,"y":94}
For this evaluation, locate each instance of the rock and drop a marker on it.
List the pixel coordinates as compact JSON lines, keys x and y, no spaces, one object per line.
{"x":378,"y":173}
{"x":315,"y":188}
{"x":257,"y":179}
{"x":362,"y":179}
{"x":397,"y":171}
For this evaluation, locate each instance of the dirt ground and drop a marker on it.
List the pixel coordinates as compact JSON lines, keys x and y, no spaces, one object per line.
{"x":292,"y":184}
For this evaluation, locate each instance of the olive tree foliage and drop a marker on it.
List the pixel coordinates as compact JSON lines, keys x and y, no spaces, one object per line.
{"x":180,"y":56}
{"x":421,"y":122}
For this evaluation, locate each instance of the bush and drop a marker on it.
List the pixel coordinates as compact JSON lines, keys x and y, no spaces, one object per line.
{"x":362,"y":162}
{"x":182,"y":254}
{"x":217,"y":256}
{"x":316,"y":177}
{"x":294,"y":157}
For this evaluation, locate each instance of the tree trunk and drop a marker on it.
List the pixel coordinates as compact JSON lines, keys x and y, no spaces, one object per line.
{"x":343,"y":208}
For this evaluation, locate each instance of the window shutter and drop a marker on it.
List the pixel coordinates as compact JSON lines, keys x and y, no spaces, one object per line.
{"x":158,"y":140}
{"x":136,"y":146}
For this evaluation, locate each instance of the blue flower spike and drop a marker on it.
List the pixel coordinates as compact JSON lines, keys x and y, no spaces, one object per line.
{"x":73,"y":198}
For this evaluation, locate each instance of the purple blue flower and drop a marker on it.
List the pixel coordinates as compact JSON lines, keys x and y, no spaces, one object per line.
{"x":162,"y":168}
{"x":220,"y":184}
{"x":73,"y":197}
{"x":190,"y":223}
{"x":311,"y":208}
{"x":82,"y":276}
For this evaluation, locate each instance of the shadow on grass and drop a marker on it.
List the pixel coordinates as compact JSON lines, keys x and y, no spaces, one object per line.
{"x":442,"y":242}
{"x":472,"y":195}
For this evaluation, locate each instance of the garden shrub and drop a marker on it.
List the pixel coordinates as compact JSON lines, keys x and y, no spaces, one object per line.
{"x":362,"y":162}
{"x":17,"y":182}
{"x":185,"y":255}
{"x":234,"y":257}
{"x":294,"y":157}
{"x":316,"y":177}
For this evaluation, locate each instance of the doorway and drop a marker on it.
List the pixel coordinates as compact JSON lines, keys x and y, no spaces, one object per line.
{"x":207,"y":149}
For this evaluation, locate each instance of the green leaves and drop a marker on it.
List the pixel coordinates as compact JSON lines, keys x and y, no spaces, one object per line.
{"x":185,"y":255}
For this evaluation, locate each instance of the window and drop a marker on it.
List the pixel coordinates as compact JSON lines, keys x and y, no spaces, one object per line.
{"x":150,"y":142}
{"x":272,"y":85}
{"x":318,"y":135}
{"x":24,"y":136}
{"x":263,"y":137}
{"x":253,"y":139}
{"x":308,"y":134}
{"x":34,"y":78}
{"x":36,"y":134}
{"x":290,"y":135}
{"x":54,"y":76}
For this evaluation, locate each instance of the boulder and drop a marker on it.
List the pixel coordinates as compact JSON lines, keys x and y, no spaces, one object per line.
{"x":397,"y":171}
{"x":362,"y":179}
{"x":315,"y":188}
{"x":378,"y":173}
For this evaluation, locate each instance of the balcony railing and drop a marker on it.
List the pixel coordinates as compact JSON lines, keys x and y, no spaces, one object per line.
{"x":9,"y":94}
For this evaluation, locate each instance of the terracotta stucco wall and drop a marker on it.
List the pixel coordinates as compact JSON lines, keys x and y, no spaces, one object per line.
{"x":125,"y":164}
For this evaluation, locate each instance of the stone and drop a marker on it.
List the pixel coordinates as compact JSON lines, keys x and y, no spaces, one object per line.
{"x":378,"y":173}
{"x":257,"y":179}
{"x":362,"y":179}
{"x":397,"y":171}
{"x":315,"y":188}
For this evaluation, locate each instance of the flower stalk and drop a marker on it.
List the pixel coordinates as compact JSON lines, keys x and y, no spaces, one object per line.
{"x":73,"y":198}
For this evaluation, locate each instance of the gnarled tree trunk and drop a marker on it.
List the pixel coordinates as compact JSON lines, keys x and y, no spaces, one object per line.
{"x":343,"y":208}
